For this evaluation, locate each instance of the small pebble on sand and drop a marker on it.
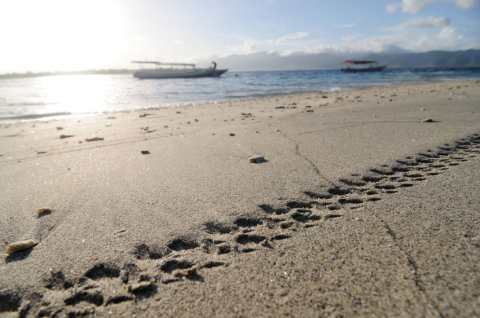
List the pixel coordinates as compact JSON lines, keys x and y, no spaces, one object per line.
{"x":145,"y":152}
{"x":62,"y":136}
{"x":257,"y":159}
{"x":231,"y":134}
{"x":94,"y":139}
{"x":429,"y":120}
{"x":43,"y":211}
{"x":19,"y":246}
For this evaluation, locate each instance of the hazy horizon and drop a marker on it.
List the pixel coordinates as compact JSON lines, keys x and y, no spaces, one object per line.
{"x":56,"y":35}
{"x":298,"y":61}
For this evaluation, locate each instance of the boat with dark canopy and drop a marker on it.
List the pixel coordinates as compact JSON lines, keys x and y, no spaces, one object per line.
{"x":362,"y":66}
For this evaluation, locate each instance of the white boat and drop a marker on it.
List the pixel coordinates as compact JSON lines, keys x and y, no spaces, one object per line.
{"x":175,"y":70}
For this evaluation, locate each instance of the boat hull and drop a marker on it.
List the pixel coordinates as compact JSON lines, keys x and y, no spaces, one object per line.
{"x":364,"y":70}
{"x":166,"y":74}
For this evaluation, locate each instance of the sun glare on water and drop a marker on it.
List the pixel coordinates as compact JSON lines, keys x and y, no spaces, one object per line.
{"x":76,"y":94}
{"x":60,"y":34}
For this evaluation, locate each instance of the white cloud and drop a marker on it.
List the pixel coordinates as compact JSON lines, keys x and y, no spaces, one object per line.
{"x":449,"y":35}
{"x":285,"y":43}
{"x":412,"y":39}
{"x":415,"y":6}
{"x":346,"y":26}
{"x":465,"y":4}
{"x":418,"y":35}
{"x":248,"y":47}
{"x":290,"y":37}
{"x":426,"y":33}
{"x":393,"y":7}
{"x":426,"y":23}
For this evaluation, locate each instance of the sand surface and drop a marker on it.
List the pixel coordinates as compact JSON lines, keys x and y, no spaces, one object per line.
{"x":191,"y":227}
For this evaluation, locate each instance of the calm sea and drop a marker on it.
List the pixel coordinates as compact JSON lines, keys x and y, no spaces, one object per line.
{"x":63,"y":95}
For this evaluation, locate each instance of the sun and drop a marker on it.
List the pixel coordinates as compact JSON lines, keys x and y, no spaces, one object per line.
{"x":61,"y":34}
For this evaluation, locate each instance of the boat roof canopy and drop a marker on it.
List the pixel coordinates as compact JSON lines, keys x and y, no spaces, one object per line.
{"x":360,"y":62}
{"x":164,"y":64}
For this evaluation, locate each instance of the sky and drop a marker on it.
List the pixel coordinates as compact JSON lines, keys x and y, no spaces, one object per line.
{"x":60,"y":35}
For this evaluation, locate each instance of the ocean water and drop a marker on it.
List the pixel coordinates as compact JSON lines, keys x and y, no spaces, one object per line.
{"x":66,"y":95}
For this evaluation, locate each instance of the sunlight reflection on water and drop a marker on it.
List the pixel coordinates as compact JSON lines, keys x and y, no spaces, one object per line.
{"x":76,"y":93}
{"x":85,"y":94}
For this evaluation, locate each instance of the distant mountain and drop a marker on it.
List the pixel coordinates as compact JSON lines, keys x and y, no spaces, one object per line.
{"x":394,"y":58}
{"x":468,"y":58}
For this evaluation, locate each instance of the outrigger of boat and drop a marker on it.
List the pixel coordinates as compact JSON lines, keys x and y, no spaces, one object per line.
{"x":362,"y":66}
{"x":176,"y":70}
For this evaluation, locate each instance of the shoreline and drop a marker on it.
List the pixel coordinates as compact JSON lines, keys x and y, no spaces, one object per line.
{"x":167,"y":191}
{"x":347,"y":89}
{"x":114,"y":72}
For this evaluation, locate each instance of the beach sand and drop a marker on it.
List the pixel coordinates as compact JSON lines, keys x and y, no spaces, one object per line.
{"x":160,"y":212}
